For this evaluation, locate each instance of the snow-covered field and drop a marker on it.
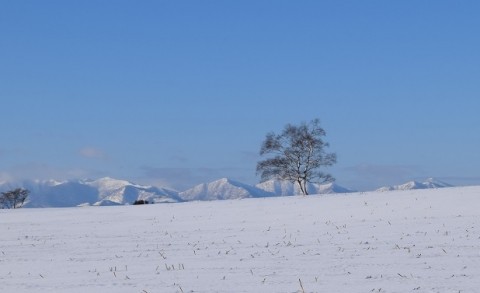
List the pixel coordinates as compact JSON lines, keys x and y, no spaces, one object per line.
{"x":398,"y":241}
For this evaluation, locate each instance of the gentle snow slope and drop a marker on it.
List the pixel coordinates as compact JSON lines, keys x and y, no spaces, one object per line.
{"x":409,"y":241}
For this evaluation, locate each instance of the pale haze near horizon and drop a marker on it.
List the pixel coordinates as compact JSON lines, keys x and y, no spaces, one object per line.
{"x":180,"y":93}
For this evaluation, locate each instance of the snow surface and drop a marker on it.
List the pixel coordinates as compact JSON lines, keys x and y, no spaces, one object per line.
{"x":402,"y":241}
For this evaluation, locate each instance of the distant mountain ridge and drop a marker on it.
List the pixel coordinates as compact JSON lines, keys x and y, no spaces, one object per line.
{"x":100,"y":192}
{"x":230,"y":189}
{"x":411,"y":185}
{"x":223,"y":189}
{"x":110,"y":191}
{"x":123,"y":192}
{"x":287,"y":188}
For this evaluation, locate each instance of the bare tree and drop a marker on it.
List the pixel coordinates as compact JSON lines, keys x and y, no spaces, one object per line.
{"x":297,"y":155}
{"x":13,"y":199}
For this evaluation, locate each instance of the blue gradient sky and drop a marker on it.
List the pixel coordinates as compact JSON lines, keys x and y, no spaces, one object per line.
{"x":176,"y":93}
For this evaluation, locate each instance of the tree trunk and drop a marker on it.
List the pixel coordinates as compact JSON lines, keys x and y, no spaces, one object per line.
{"x":305,"y":190}
{"x":301,"y":187}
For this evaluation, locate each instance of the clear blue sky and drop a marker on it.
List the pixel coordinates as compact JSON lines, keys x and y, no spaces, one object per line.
{"x":176,"y":93}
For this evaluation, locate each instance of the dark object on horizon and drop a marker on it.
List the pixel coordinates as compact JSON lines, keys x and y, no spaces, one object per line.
{"x":140,"y":201}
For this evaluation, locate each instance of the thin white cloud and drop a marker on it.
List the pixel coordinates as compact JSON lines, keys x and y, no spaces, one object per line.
{"x":250,"y":156}
{"x":383,"y":171}
{"x":371,"y":176}
{"x":93,"y":153}
{"x":5,"y":177}
{"x":184,"y":178}
{"x":41,"y":171}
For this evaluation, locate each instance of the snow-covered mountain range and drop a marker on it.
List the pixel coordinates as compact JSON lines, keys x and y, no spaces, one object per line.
{"x":109,"y":191}
{"x":223,"y":189}
{"x":230,"y":189}
{"x":429,"y":183}
{"x":104,"y":191}
{"x":287,"y":188}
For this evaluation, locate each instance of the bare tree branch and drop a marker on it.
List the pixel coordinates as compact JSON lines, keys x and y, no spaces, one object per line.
{"x":296,"y":155}
{"x":13,"y":199}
